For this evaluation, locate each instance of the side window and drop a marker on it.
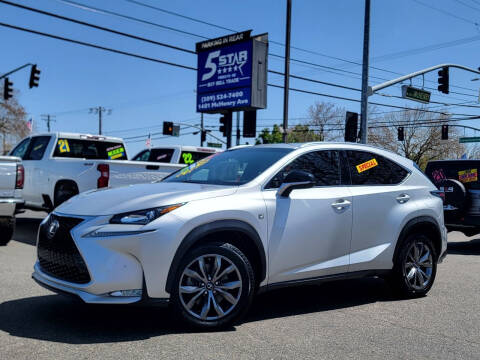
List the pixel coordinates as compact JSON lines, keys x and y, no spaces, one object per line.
{"x":37,"y":148}
{"x":21,"y":149}
{"x":372,"y":169}
{"x":323,"y":165}
{"x":161,"y":155}
{"x":143,"y":156}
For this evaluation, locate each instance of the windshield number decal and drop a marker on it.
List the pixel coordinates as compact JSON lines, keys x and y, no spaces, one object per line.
{"x":187,"y":158}
{"x":63,"y":146}
{"x":469,"y":175}
{"x":115,"y":152}
{"x":367,"y":165}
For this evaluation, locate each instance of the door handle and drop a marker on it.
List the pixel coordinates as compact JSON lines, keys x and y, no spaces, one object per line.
{"x":403,"y":198}
{"x":341,"y":204}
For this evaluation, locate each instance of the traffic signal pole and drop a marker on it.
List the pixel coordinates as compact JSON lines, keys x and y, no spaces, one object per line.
{"x":373,"y":89}
{"x":15,"y":70}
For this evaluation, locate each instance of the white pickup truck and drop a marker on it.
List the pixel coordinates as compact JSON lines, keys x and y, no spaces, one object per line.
{"x":61,"y":165}
{"x":11,"y":184}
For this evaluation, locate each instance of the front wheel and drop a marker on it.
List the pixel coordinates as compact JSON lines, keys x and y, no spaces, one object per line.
{"x":7,"y":227}
{"x":214,"y":286}
{"x":415,"y":266}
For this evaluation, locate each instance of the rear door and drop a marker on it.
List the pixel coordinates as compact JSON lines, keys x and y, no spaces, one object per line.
{"x":381,"y":201}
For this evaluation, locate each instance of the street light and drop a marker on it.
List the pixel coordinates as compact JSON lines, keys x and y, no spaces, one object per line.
{"x":475,"y":79}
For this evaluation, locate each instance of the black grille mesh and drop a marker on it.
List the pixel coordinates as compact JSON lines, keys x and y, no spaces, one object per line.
{"x":58,"y":255}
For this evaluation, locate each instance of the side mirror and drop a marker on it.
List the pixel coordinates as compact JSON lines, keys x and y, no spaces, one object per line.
{"x":296,"y":179}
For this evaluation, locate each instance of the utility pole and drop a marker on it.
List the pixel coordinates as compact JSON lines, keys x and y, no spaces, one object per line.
{"x":99,"y":110}
{"x":48,"y":119}
{"x":238,"y":128}
{"x":287,"y":70}
{"x":365,"y":90}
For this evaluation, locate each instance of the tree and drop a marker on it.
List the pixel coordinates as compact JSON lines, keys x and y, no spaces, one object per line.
{"x":422,"y":141}
{"x":327,"y":120}
{"x":267,"y":137}
{"x":13,"y":125}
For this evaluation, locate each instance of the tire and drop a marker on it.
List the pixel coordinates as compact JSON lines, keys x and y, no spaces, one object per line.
{"x":197,"y":295}
{"x":7,"y":228}
{"x":406,"y":279}
{"x":63,"y":192}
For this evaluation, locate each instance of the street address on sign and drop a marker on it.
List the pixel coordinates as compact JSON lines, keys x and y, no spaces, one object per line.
{"x":411,"y":93}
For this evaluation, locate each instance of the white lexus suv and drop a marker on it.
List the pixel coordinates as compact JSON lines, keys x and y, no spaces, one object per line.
{"x":211,"y":235}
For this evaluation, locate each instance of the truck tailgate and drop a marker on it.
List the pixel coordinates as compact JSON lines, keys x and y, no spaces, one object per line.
{"x":8,"y":176}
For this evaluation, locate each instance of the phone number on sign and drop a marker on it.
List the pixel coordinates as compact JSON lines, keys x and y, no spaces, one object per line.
{"x":224,"y":96}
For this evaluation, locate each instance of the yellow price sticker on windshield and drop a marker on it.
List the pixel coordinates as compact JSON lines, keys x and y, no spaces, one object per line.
{"x":468,"y":175}
{"x":63,"y":146}
{"x":367,"y":165}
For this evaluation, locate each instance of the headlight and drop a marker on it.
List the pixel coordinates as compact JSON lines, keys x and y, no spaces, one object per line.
{"x":143,"y":217}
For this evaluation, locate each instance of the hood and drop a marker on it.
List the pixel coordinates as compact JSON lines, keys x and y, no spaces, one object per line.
{"x":139,"y":197}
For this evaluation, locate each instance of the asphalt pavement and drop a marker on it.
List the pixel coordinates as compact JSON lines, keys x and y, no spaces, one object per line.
{"x":354,"y":319}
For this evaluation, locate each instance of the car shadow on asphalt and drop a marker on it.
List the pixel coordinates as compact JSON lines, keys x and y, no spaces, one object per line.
{"x":471,"y":247}
{"x":26,"y":230}
{"x":60,"y":319}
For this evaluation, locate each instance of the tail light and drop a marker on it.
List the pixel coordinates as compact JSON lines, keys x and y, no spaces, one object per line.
{"x":20,"y":180}
{"x":104,"y":175}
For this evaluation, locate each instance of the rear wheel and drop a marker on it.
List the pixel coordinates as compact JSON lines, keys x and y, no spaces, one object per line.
{"x":7,"y":227}
{"x":415,"y":266}
{"x":214,"y":286}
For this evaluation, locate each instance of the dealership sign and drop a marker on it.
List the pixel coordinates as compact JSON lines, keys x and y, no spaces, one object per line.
{"x":231,"y":73}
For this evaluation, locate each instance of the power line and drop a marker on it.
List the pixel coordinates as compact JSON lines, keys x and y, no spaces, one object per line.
{"x":447,"y":13}
{"x":96,"y":46}
{"x":272,"y":41}
{"x":84,"y":23}
{"x":182,"y":66}
{"x":108,"y":12}
{"x":467,"y":5}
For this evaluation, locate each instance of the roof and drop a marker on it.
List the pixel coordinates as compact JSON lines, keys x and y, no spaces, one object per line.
{"x":79,"y":136}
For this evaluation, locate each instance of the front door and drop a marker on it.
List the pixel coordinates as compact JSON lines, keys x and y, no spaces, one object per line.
{"x":309,"y":231}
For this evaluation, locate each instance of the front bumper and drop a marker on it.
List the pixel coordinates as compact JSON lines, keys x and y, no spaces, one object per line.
{"x":61,"y":287}
{"x":121,"y":259}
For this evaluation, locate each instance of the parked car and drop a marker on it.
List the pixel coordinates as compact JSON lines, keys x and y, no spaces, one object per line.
{"x":11,"y":183}
{"x":459,"y":181}
{"x":208,"y":237}
{"x":61,"y":165}
{"x":176,"y":154}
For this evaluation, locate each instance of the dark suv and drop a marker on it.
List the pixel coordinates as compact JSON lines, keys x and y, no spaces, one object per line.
{"x":459,"y":181}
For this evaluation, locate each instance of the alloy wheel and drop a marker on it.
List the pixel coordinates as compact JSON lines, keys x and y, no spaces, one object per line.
{"x":210,"y":287}
{"x":418,"y":265}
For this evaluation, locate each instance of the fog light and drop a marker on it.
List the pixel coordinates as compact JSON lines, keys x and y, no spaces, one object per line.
{"x":127,"y":293}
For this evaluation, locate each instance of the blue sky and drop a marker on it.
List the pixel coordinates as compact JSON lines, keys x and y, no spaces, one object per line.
{"x":143,"y":94}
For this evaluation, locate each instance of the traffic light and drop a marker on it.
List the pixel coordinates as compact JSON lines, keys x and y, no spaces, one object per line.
{"x":203,"y":136}
{"x":444,"y":132}
{"x":443,"y":80}
{"x":167,"y":128}
{"x":226,"y":127}
{"x":351,"y":124}
{"x":7,"y":89}
{"x":250,"y":124}
{"x":401,"y":133}
{"x":34,"y":77}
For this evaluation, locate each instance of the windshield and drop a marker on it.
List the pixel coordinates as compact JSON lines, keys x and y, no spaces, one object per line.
{"x":235,"y":167}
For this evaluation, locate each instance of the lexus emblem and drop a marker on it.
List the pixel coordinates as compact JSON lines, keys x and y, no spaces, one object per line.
{"x":52,"y":229}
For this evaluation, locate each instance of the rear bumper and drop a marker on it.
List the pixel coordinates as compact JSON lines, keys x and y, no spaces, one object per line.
{"x":8,"y":206}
